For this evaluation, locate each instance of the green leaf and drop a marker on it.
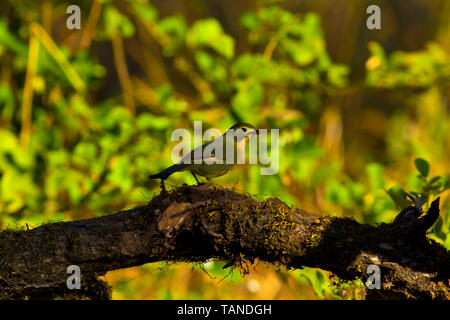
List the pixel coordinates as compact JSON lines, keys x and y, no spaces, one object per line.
{"x":325,"y":173}
{"x":175,"y":28}
{"x":85,"y":153}
{"x":10,"y":41}
{"x":422,"y":166}
{"x":212,"y":70}
{"x":376,"y":175}
{"x":209,"y":33}
{"x":117,"y":22}
{"x":434,"y":180}
{"x":249,"y":21}
{"x":146,"y":12}
{"x":120,"y":173}
{"x":149,"y":121}
{"x":316,"y":279}
{"x":398,"y":195}
{"x":247,"y":98}
{"x":445,"y":182}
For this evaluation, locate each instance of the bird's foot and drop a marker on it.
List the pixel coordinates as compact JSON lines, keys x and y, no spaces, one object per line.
{"x":196,"y":179}
{"x":163,"y":187}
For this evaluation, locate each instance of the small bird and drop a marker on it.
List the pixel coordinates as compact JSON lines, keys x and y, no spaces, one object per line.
{"x":211,"y":166}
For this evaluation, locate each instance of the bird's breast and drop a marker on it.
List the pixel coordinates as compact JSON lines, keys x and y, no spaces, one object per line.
{"x":212,"y":170}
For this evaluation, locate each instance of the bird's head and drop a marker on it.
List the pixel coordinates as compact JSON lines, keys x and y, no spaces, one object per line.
{"x":243,"y":130}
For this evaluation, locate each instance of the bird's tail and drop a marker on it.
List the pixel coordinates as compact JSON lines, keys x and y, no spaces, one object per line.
{"x":163,"y":175}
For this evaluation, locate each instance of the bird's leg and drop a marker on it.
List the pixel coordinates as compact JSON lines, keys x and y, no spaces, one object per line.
{"x":198,"y":182}
{"x":163,"y":187}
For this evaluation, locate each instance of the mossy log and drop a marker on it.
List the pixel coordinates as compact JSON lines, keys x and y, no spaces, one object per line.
{"x":198,"y":223}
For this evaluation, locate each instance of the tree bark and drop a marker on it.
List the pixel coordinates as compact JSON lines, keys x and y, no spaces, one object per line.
{"x":197,"y":223}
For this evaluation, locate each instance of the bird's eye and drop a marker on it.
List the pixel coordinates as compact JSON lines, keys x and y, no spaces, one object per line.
{"x":243,"y":129}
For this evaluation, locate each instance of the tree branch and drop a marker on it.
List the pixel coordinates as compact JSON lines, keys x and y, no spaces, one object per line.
{"x":197,"y":223}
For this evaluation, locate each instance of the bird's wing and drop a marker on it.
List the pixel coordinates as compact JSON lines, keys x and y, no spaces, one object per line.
{"x":198,"y":153}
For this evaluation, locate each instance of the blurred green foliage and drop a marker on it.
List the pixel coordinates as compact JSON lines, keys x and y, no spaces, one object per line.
{"x":105,"y":100}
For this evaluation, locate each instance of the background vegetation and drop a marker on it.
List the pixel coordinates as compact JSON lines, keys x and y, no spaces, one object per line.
{"x":86,"y":115}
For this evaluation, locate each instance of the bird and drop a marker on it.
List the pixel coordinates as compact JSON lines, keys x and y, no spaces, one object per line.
{"x":211,"y":165}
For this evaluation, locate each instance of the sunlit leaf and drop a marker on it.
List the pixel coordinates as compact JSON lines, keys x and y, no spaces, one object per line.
{"x":422,"y":166}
